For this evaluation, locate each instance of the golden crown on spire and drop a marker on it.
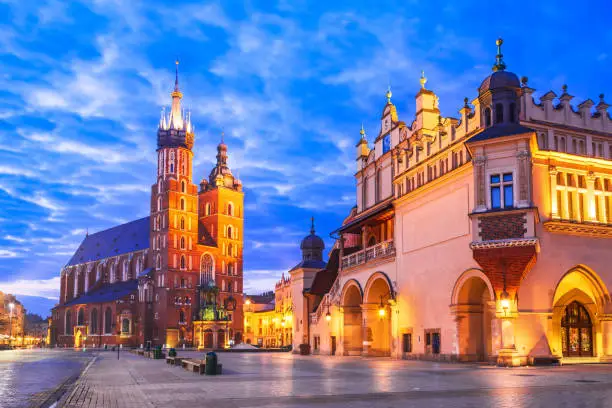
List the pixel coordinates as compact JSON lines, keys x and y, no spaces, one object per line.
{"x":389,"y":94}
{"x":423,"y":80}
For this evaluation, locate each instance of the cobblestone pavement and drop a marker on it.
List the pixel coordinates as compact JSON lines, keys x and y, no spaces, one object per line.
{"x":286,"y":380}
{"x":34,"y":377}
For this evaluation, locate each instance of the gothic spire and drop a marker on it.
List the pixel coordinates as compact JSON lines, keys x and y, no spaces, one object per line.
{"x":499,"y":61}
{"x":176,"y":116}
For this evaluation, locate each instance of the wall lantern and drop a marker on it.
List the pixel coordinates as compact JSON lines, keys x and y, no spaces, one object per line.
{"x":381,"y":308}
{"x":505,"y":300}
{"x":328,"y":316}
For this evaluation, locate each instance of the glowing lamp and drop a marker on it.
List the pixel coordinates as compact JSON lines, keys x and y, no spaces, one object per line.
{"x":381,"y":312}
{"x":328,"y":316}
{"x":505,"y":300}
{"x":248,"y":302}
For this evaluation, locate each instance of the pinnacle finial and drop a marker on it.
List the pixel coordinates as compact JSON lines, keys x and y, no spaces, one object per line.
{"x":499,"y":62}
{"x":176,"y":85}
{"x":389,"y":94}
{"x":362,"y":131}
{"x":312,"y":228}
{"x":222,"y":137}
{"x":423,"y":79}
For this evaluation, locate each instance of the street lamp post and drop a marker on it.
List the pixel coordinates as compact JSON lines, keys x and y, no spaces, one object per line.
{"x":11,"y":307}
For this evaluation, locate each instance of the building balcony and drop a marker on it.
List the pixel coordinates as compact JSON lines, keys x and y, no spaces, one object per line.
{"x":379,"y":251}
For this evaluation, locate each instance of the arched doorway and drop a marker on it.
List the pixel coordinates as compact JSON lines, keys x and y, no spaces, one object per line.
{"x":208,"y":339}
{"x":78,"y":338}
{"x":351,"y":304}
{"x":471,"y":299}
{"x":580,"y":298}
{"x":576,"y":331}
{"x":221,"y":340}
{"x":378,"y":293}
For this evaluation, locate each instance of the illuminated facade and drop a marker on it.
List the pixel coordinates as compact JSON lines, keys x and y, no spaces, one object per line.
{"x":172,"y":278}
{"x":12,"y":320}
{"x":268,"y":317}
{"x":482,"y":238}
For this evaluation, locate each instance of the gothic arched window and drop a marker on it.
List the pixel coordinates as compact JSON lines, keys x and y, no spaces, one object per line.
{"x":182,"y":242}
{"x":111,"y":272}
{"x":126,"y":270}
{"x":108,"y":320}
{"x":182,"y":204}
{"x":206,"y":269}
{"x":68,"y":323}
{"x":183,"y":186}
{"x":229,"y":232}
{"x":182,"y":223}
{"x":487,"y":117}
{"x":171,"y":162}
{"x":499,"y":113}
{"x":182,"y":262}
{"x":93,"y":324}
{"x":230,"y":209}
{"x":158,"y":264}
{"x":159,"y":203}
{"x":230,"y":250}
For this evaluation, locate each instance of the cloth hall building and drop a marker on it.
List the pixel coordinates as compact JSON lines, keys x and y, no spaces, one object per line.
{"x":171,"y":278}
{"x":486,"y":237}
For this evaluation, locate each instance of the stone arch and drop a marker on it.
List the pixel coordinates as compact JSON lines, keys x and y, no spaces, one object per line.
{"x":589,"y":282}
{"x":351,"y":299}
{"x":473,"y":305}
{"x":368,"y":296}
{"x":581,"y":285}
{"x":378,"y":297}
{"x":466,"y":275}
{"x":350,"y":283}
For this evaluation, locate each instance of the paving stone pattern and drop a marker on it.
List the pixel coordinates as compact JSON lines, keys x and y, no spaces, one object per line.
{"x":286,"y":380}
{"x":37,"y":378}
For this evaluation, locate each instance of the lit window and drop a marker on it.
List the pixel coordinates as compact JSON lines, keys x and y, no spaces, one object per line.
{"x":386,"y":143}
{"x":502,"y":191}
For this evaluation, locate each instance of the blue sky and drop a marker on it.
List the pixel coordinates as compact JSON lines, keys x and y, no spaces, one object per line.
{"x":290,"y":81}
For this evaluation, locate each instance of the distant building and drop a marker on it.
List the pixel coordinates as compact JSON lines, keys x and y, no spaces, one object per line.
{"x":268,"y":317}
{"x":479,"y":238}
{"x":169,"y":278}
{"x":12,"y":320}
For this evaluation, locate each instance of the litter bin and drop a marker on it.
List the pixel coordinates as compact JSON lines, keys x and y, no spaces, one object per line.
{"x":211,"y":363}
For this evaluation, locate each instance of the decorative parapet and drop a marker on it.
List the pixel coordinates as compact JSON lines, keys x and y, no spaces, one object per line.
{"x":579,"y":228}
{"x":378,"y":251}
{"x":505,"y":243}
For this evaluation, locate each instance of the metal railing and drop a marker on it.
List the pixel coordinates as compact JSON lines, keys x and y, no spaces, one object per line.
{"x":384,"y":249}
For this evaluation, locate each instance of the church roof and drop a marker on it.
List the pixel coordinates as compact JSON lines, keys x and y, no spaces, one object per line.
{"x":106,"y":293}
{"x":124,"y":238}
{"x":310,"y":263}
{"x":501,"y":130}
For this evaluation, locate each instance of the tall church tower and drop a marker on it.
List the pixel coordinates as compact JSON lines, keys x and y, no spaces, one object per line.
{"x":174,"y":222}
{"x":221,"y":212}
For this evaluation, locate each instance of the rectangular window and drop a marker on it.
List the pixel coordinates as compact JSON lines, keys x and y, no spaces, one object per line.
{"x":435,"y":340}
{"x":407,"y":342}
{"x":428,"y":339}
{"x":495,"y":192}
{"x":502,"y":191}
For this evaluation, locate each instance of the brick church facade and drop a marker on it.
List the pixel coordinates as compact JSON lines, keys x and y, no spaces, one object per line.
{"x":172,"y":278}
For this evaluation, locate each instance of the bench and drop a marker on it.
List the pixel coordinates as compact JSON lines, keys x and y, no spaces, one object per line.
{"x":174,"y":360}
{"x":195,"y":366}
{"x":199,"y":366}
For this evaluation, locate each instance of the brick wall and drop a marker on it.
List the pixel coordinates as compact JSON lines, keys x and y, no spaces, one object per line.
{"x":502,"y":226}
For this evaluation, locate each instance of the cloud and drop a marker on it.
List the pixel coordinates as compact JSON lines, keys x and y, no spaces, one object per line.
{"x":47,"y":288}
